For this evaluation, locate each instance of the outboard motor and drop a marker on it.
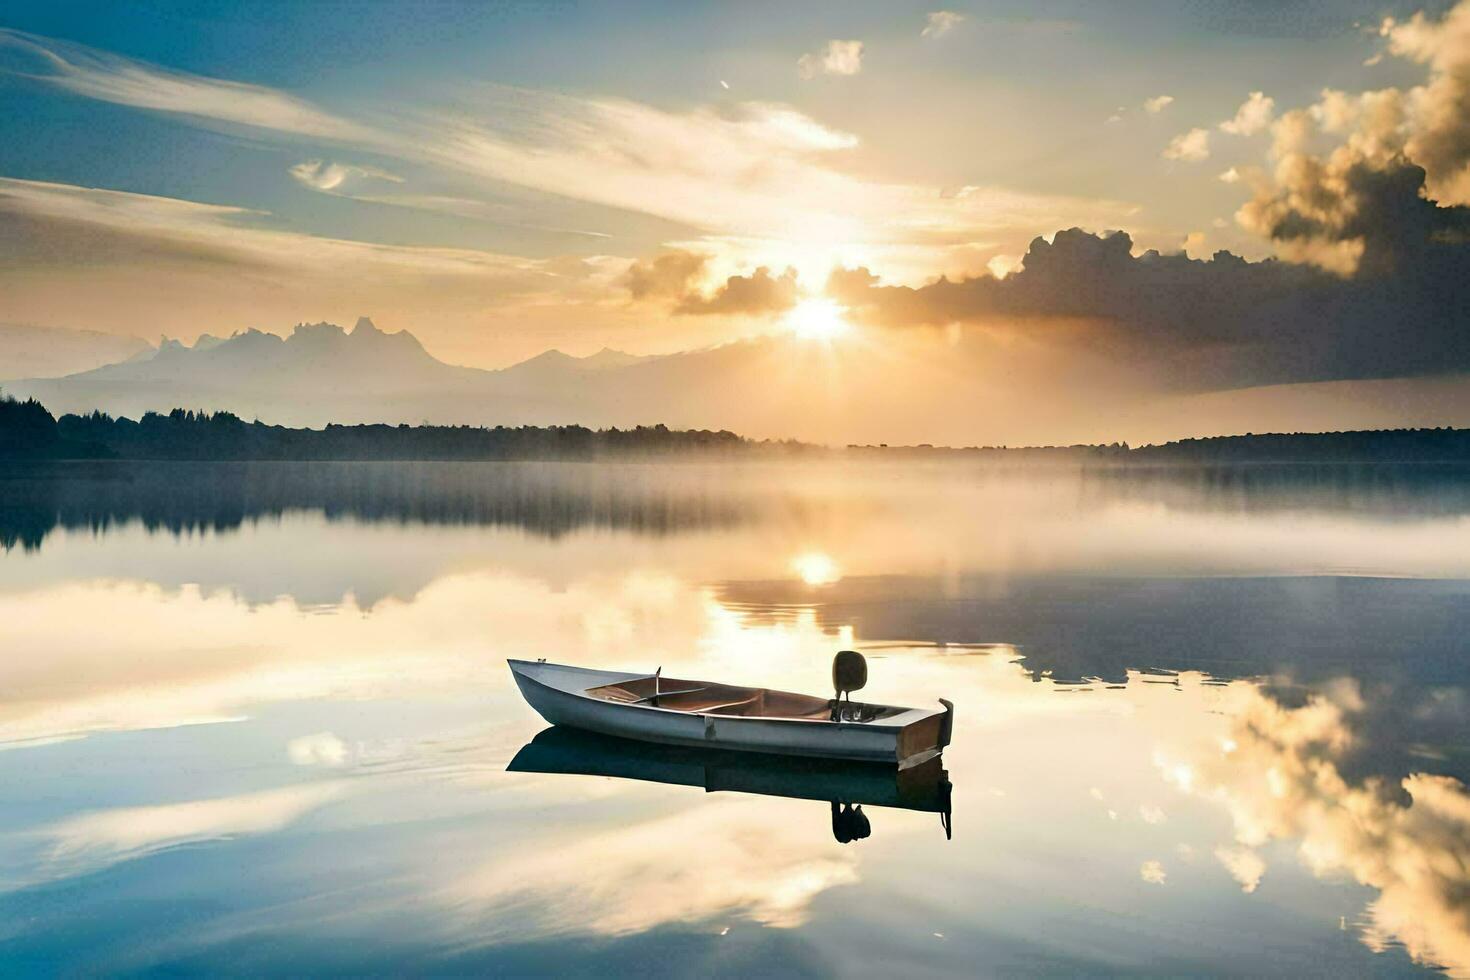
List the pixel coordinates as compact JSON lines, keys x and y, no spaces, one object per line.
{"x":849,"y":673}
{"x":849,"y":823}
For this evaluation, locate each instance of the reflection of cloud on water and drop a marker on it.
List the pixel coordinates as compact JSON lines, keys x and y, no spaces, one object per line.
{"x":725,"y":858}
{"x":91,"y":841}
{"x":122,"y":656}
{"x":1280,"y":776}
{"x":1153,"y":872}
{"x":318,"y":749}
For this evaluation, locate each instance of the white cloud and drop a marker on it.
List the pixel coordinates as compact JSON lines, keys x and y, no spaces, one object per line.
{"x":1157,"y":104}
{"x":756,"y":171}
{"x":1191,"y":147}
{"x":763,"y":177}
{"x":135,"y":261}
{"x":1231,"y":176}
{"x":1244,"y":865}
{"x":326,"y":176}
{"x":111,"y":78}
{"x":1425,"y":125}
{"x":1152,"y":872}
{"x":941,"y":22}
{"x":1438,"y":127}
{"x":188,"y":224}
{"x":839,"y":58}
{"x":1253,"y":116}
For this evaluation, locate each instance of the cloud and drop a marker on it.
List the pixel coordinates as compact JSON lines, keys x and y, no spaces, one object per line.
{"x":764,"y":178}
{"x":751,"y":168}
{"x":112,"y":78}
{"x":1157,"y":104}
{"x":1438,"y":112}
{"x":941,"y":22}
{"x":1253,"y":116}
{"x":753,"y":295}
{"x":670,"y":276}
{"x":1223,"y":322}
{"x":1245,"y":866}
{"x":1152,"y":872}
{"x":321,"y":175}
{"x":230,"y":234}
{"x":675,"y":278}
{"x":138,"y":263}
{"x":1371,"y":200}
{"x":765,"y":175}
{"x":1192,"y":146}
{"x":839,"y":58}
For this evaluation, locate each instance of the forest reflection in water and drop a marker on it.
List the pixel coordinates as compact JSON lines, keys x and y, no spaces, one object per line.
{"x":552,"y":499}
{"x":1191,"y":708}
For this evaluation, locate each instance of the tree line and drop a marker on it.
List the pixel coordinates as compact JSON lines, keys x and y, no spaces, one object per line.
{"x":29,"y":431}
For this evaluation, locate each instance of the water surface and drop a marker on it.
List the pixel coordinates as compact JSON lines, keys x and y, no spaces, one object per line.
{"x":256,"y":717}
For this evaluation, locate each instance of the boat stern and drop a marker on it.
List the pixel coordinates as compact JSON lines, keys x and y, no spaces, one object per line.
{"x":925,"y":737}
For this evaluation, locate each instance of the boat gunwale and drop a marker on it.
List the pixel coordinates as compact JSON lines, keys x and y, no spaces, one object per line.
{"x":909,"y":715}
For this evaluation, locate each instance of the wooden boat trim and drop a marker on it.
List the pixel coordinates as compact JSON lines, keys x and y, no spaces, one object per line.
{"x":903,"y":716}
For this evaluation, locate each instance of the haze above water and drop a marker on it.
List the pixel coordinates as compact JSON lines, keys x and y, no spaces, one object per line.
{"x":257,"y":717}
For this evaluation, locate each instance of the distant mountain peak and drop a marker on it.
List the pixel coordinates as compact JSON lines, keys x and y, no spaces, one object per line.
{"x":364,"y":325}
{"x":560,"y":361}
{"x":322,"y":329}
{"x":610,"y":358}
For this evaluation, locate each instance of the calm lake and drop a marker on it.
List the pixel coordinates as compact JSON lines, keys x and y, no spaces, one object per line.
{"x":257,"y":718}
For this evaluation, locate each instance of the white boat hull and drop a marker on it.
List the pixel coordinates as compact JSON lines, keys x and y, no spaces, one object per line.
{"x":557,"y":693}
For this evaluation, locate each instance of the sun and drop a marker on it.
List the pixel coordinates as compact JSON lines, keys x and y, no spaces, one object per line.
{"x":817,"y":319}
{"x":815,"y":568}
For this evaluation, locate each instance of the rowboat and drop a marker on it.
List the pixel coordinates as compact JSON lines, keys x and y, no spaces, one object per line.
{"x":653,"y":708}
{"x":843,"y":784}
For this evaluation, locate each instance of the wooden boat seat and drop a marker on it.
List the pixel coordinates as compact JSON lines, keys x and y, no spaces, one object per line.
{"x":716,"y":699}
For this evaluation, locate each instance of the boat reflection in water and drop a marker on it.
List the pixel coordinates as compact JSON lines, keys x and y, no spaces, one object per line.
{"x":846,"y":786}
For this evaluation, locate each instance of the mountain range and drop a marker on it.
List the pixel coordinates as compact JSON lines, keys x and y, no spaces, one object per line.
{"x":321,"y":373}
{"x":897,"y":390}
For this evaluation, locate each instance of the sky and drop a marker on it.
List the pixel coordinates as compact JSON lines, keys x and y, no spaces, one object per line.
{"x":506,"y":178}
